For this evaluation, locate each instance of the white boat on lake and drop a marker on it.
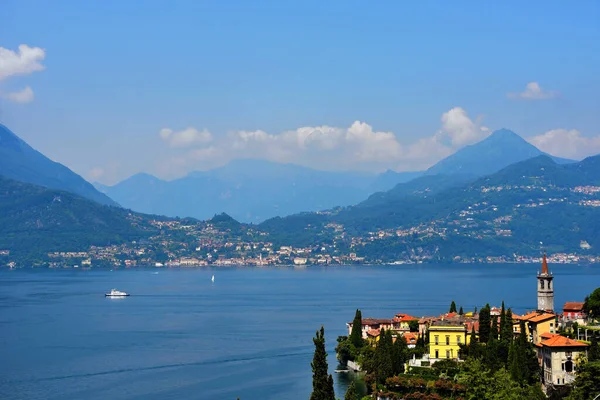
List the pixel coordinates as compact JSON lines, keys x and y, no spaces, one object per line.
{"x":116,"y":293}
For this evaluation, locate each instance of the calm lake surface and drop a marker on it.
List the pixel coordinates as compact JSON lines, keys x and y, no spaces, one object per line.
{"x":248,"y":335}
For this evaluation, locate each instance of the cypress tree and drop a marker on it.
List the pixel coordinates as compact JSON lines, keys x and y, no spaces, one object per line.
{"x":494,"y":328}
{"x":383,"y":356}
{"x":594,"y":350}
{"x":351,"y":392}
{"x":400,"y":355}
{"x":502,"y":318}
{"x":506,"y":328}
{"x":461,"y":312}
{"x":356,"y":333}
{"x":452,"y":307}
{"x":484,"y":324}
{"x":473,"y":345}
{"x":322,"y":382}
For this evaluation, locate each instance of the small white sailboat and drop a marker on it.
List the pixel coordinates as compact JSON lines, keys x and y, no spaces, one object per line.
{"x":212,"y":279}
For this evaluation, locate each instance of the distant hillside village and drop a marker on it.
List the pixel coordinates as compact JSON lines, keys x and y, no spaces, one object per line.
{"x":559,"y":342}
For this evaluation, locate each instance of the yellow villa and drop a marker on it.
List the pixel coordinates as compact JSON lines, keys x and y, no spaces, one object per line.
{"x":445,"y":338}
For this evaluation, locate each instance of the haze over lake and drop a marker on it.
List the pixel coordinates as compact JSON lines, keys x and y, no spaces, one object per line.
{"x":246,"y":335}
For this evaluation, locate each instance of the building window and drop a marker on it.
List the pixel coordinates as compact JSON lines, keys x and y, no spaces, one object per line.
{"x":542,"y":284}
{"x":447,"y":340}
{"x":458,"y":339}
{"x":569,"y":366}
{"x":551,"y":325}
{"x":437,"y":340}
{"x":447,"y":353}
{"x":563,"y":366}
{"x":437,"y":354}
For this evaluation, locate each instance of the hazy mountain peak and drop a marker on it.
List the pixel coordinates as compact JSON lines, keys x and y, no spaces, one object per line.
{"x":21,"y":162}
{"x":502,"y":148}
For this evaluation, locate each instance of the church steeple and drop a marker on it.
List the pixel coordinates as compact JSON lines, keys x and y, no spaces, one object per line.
{"x":544,"y":265}
{"x":545,"y":289}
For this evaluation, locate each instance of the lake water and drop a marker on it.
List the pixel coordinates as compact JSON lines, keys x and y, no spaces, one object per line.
{"x":248,"y":335}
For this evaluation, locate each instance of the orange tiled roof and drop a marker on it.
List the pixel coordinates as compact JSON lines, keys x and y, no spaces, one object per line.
{"x":404,"y":318}
{"x":561,"y":341}
{"x":542,"y":317}
{"x":573,"y":306}
{"x":411,"y":337}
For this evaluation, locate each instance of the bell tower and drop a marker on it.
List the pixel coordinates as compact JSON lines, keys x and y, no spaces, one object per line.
{"x":545,"y":289}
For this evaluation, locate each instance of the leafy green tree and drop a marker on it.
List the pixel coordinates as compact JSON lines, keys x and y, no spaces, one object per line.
{"x":356,"y":334}
{"x":452,"y":307}
{"x":413,"y":325}
{"x":587,"y":382}
{"x":592,"y":304}
{"x":383,"y":356}
{"x":484,"y":324}
{"x":460,"y":311}
{"x":322,"y":381}
{"x":351,"y":393}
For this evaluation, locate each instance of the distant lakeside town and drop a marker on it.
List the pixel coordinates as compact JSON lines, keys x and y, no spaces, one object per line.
{"x":191,"y":243}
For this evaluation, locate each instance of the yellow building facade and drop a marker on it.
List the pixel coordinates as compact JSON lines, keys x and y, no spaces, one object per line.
{"x":445,"y":339}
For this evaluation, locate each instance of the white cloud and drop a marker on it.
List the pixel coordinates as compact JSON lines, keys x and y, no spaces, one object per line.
{"x":24,"y":62}
{"x":357,"y":147}
{"x":533,"y":91}
{"x":566,"y":143}
{"x":22,"y":96}
{"x":186,"y":137}
{"x":460,"y":129}
{"x":96,"y":173}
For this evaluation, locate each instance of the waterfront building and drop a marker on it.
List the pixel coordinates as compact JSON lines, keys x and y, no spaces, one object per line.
{"x":559,"y":357}
{"x":369,"y":324}
{"x":545,"y":289}
{"x":445,"y":338}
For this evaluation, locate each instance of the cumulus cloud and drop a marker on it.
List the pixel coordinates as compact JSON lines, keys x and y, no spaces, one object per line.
{"x":460,"y":129}
{"x":186,"y":137}
{"x":356,"y":147}
{"x":566,"y":143}
{"x":96,"y":173}
{"x":22,"y":96}
{"x":533,"y":91}
{"x":22,"y":62}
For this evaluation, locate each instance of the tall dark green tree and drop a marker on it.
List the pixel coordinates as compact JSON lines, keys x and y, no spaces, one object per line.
{"x":484,"y":324}
{"x":322,"y":381}
{"x":351,"y":393}
{"x":592,"y":304}
{"x":506,"y":327}
{"x":460,"y":311}
{"x":384,"y":365}
{"x":452,"y":307}
{"x":474,"y":347}
{"x":494,"y":328}
{"x":356,"y":334}
{"x":399,"y":355}
{"x":594,"y":349}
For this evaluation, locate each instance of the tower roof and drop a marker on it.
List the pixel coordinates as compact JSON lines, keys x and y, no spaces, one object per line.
{"x":544,"y":265}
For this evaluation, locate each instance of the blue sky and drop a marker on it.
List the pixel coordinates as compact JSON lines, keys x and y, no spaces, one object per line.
{"x":171,"y":87}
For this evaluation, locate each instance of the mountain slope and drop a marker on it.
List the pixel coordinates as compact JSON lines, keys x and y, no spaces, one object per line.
{"x":512,"y":211}
{"x":20,"y":162}
{"x":35,"y":220}
{"x":501,"y":149}
{"x":248,"y":190}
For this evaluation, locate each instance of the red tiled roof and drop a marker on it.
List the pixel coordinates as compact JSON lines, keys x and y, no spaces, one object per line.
{"x":573,"y":306}
{"x":373,"y":332}
{"x":561,"y":341}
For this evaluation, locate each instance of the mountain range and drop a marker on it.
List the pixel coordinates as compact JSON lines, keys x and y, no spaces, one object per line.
{"x":46,"y":207}
{"x":255,"y":190}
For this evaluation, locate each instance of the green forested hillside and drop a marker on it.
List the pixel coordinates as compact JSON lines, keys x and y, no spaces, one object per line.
{"x":35,"y":220}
